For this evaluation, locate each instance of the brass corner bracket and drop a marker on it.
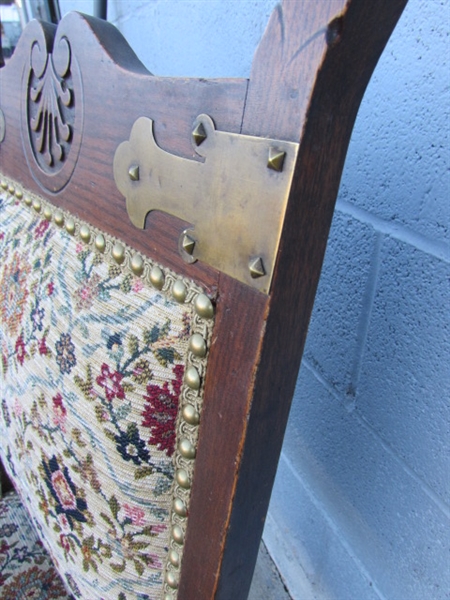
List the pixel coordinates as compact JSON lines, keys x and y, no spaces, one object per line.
{"x":235,"y":200}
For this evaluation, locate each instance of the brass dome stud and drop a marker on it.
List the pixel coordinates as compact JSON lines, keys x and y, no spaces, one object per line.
{"x":171,"y":579}
{"x":85,"y":233}
{"x":187,"y":449}
{"x":100,"y":242}
{"x":28,"y":201}
{"x":190,"y":415}
{"x":182,"y":478}
{"x":197,"y":345}
{"x":157,"y":277}
{"x":174,"y":558}
{"x":204,"y":307}
{"x":3,"y":184}
{"x":11,"y":189}
{"x":192,"y":378}
{"x":179,"y":291}
{"x":19,"y":194}
{"x":59,"y":217}
{"x":37,"y":205}
{"x":118,"y":253}
{"x":180,"y":507}
{"x":137,"y":264}
{"x":70,"y":226}
{"x":47,"y":213}
{"x":177,"y":534}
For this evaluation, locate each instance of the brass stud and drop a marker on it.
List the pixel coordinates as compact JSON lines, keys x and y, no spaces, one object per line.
{"x":276,"y":159}
{"x":256,"y":267}
{"x":28,"y":201}
{"x":59,"y":217}
{"x":187,"y":449}
{"x":182,"y":478}
{"x":190,"y":415}
{"x":188,"y":244}
{"x":85,"y":233}
{"x":179,"y":291}
{"x":157,"y":278}
{"x":100,"y":242}
{"x":137,"y":264}
{"x":180,"y":507}
{"x":48,"y":213}
{"x":199,"y":134}
{"x":204,"y":307}
{"x":174,"y":558}
{"x":4,"y":184}
{"x":19,"y":194}
{"x":70,"y":226}
{"x":37,"y":205}
{"x":133,"y":172}
{"x":11,"y":189}
{"x":177,"y":534}
{"x":197,"y":345}
{"x":171,"y":580}
{"x":192,"y":378}
{"x":118,"y":253}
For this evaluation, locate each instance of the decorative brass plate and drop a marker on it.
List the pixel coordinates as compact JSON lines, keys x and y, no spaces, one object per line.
{"x":235,"y":199}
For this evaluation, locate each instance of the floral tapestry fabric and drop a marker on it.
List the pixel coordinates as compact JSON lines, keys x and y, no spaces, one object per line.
{"x":93,"y":360}
{"x":26,"y":570}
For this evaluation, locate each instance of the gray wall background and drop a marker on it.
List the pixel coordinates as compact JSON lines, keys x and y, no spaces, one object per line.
{"x":360,"y":508}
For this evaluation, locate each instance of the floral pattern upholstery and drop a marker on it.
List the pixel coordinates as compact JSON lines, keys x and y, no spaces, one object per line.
{"x":26,"y":571}
{"x":93,"y":359}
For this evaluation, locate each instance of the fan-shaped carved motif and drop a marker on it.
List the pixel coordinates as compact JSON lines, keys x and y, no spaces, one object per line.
{"x":53,"y":113}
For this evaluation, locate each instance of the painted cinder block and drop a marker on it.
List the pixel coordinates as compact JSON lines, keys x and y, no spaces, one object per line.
{"x":312,"y":558}
{"x":190,"y":38}
{"x":398,"y":163}
{"x":405,"y":376}
{"x":396,"y":533}
{"x":333,"y":340}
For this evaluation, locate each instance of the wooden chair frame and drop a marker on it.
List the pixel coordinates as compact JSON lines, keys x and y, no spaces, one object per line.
{"x":307,"y":80}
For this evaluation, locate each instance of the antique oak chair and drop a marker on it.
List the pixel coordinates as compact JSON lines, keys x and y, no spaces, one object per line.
{"x":161,"y":242}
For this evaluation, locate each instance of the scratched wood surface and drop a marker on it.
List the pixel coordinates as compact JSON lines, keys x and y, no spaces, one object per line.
{"x":306,"y":83}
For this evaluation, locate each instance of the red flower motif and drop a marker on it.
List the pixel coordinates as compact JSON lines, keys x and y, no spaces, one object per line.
{"x":64,"y":543}
{"x":42,"y":347}
{"x":110,"y":382}
{"x":160,"y":412}
{"x":41,"y":228}
{"x":59,"y":412}
{"x":20,"y":350}
{"x":50,"y":288}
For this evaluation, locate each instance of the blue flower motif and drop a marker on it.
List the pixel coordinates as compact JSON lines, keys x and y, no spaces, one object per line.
{"x":37,"y":315}
{"x":64,"y":492}
{"x":65,"y":353}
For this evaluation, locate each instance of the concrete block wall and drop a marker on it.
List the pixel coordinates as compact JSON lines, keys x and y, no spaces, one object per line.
{"x":361,"y":503}
{"x":361,"y":507}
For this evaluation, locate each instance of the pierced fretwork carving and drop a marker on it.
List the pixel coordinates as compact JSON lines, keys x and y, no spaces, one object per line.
{"x":52,"y":116}
{"x":50,"y":106}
